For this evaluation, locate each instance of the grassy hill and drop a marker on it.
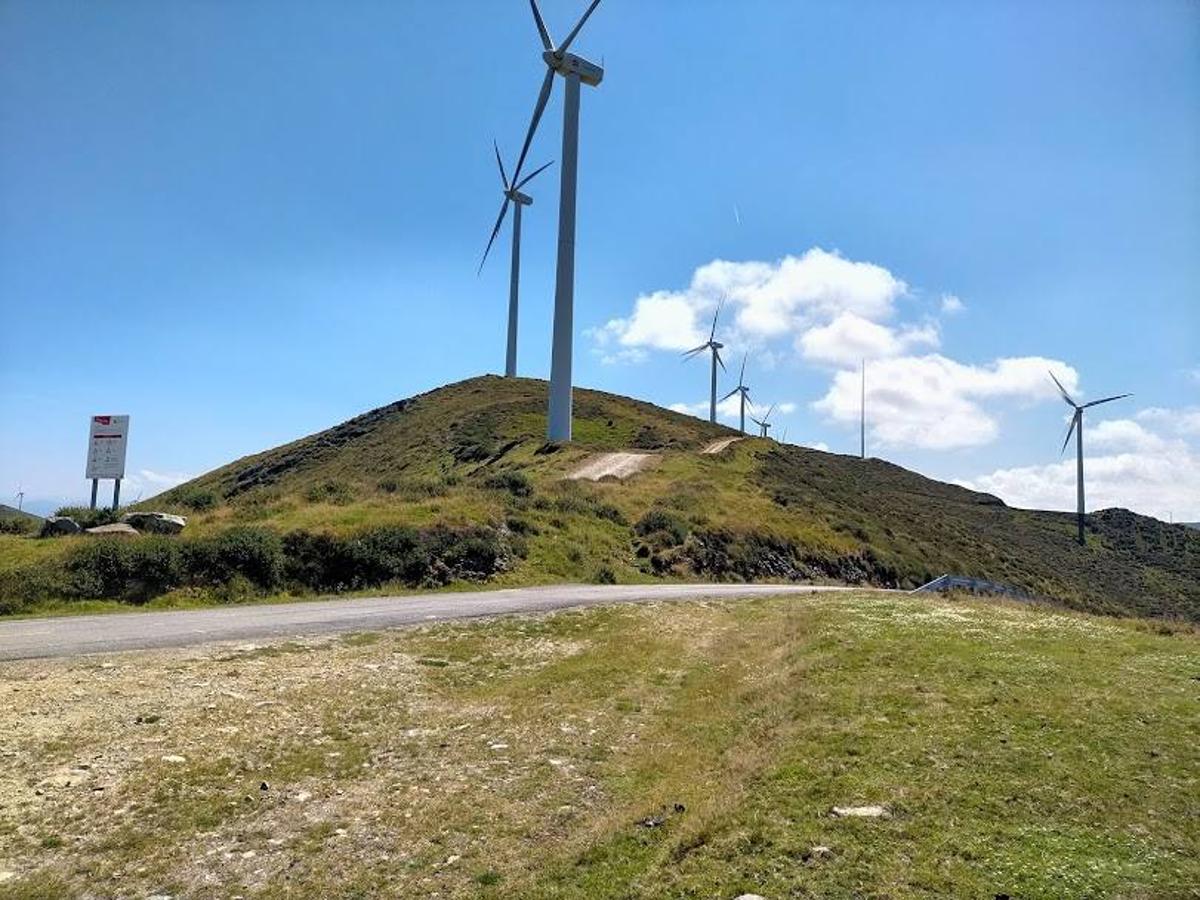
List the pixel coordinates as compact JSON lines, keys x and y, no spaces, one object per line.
{"x":459,"y":483}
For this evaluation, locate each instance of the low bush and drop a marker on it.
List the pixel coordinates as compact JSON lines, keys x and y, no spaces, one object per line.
{"x":515,"y":483}
{"x":662,"y":522}
{"x":86,"y":517}
{"x":18,"y":525}
{"x":198,"y":500}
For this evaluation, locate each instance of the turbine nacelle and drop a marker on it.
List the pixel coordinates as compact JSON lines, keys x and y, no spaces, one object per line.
{"x":567,"y":64}
{"x":517,"y":197}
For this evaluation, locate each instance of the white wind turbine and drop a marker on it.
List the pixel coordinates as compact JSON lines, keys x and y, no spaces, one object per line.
{"x":1077,"y":427}
{"x":743,"y":391}
{"x":513,"y":195}
{"x":715,"y":346}
{"x":764,"y":424}
{"x":574,"y":71}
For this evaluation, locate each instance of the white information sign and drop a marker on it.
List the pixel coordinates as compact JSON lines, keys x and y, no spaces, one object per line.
{"x":106,"y":447}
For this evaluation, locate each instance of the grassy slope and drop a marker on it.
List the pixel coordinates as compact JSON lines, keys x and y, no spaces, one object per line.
{"x":426,"y":459}
{"x":1018,"y":751}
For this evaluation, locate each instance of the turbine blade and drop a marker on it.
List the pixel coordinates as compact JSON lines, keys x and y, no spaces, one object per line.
{"x":712,"y":334}
{"x":721,"y":362}
{"x":541,"y":26}
{"x":769,"y":411}
{"x":503,"y":176}
{"x":742,"y":376}
{"x":1106,"y":400}
{"x":1062,"y":390}
{"x":495,"y":231}
{"x":730,"y":394}
{"x":688,"y":354}
{"x":1070,"y":431}
{"x":538,"y":109}
{"x":574,"y":31}
{"x":528,"y":178}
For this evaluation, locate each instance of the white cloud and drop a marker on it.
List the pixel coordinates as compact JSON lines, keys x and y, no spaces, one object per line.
{"x":1122,"y":434}
{"x":819,"y":445}
{"x":951,"y":305}
{"x":1185,"y":421}
{"x":765,"y":300}
{"x":1148,"y":473}
{"x":850,"y":338}
{"x":932,"y":402}
{"x":146,"y":483}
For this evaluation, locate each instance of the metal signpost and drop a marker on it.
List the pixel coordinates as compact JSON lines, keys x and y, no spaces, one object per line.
{"x":106,"y":453}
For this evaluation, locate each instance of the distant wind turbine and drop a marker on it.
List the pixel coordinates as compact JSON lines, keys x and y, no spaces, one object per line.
{"x":715,"y":346}
{"x":513,"y":195}
{"x":764,"y":424}
{"x":862,"y":426}
{"x":743,"y":391}
{"x":20,"y":495}
{"x":1077,"y":427}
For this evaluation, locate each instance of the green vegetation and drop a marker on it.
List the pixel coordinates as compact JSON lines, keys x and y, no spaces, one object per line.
{"x":471,"y":458}
{"x":671,"y":750}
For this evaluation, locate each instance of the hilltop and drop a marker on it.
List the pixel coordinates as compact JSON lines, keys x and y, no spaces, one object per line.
{"x":465,"y":474}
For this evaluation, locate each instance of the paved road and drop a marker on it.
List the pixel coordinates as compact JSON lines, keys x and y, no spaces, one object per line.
{"x":79,"y":635}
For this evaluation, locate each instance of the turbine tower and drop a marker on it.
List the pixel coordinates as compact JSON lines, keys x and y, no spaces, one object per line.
{"x":1077,"y":427}
{"x":574,"y":71}
{"x":862,"y":421}
{"x":744,"y":391}
{"x":715,"y":346}
{"x":764,"y":424}
{"x":513,"y":195}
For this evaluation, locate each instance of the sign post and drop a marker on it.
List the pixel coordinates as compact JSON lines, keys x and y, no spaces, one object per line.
{"x":106,"y":453}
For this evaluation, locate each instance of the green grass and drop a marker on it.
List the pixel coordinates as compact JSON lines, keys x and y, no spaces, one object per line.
{"x":1017,"y":751}
{"x":819,"y":516}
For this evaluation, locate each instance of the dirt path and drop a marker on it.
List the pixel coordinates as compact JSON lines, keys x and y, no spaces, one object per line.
{"x":617,"y":465}
{"x":718,"y":446}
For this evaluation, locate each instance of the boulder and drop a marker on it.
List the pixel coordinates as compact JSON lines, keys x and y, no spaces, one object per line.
{"x":155,"y":522}
{"x":115,"y":528}
{"x":56,"y":525}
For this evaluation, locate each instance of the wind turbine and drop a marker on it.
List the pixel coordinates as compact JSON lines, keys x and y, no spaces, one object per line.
{"x":574,"y":71}
{"x":20,"y":495}
{"x":764,"y":424}
{"x":513,"y":195}
{"x":744,"y":391}
{"x":715,"y":346}
{"x":1077,"y":427}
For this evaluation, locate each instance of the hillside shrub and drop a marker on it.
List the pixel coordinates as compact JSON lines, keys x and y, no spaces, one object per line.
{"x":17,"y":525}
{"x":515,"y":483}
{"x":256,"y":554}
{"x":662,"y":522}
{"x":198,"y":499}
{"x":88,"y":518}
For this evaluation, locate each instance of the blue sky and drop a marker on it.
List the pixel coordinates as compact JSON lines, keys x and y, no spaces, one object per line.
{"x":241,"y":223}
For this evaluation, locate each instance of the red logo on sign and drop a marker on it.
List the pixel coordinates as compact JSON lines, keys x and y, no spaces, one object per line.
{"x":102,"y":420}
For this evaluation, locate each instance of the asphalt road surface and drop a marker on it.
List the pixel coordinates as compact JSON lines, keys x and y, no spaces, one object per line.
{"x":79,"y":635}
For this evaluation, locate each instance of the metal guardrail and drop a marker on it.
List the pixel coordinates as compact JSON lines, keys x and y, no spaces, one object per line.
{"x":974,"y":585}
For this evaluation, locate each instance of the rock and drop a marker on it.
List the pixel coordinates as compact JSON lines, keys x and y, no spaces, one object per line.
{"x":155,"y":522}
{"x":174,"y":759}
{"x":818,"y":852}
{"x":56,"y":525}
{"x":749,"y":897}
{"x":861,"y":812}
{"x":119,"y":528}
{"x":264,"y":787}
{"x":303,"y":797}
{"x":7,"y":876}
